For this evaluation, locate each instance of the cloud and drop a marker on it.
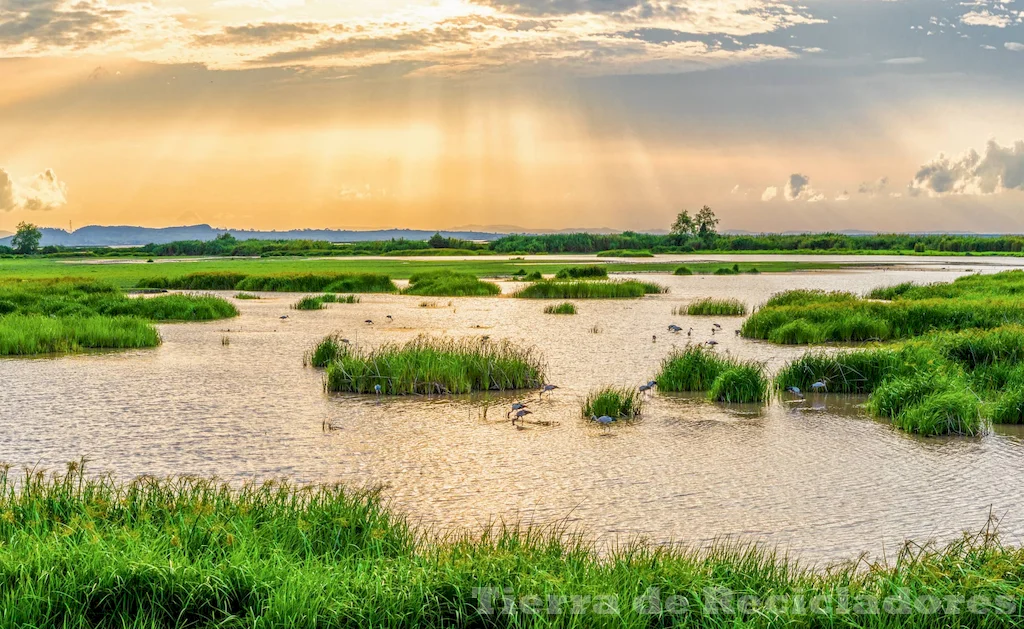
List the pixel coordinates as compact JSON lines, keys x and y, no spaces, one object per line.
{"x":904,"y":61}
{"x":770,"y":193}
{"x":796,"y":186}
{"x":262,"y":34}
{"x":42,"y":192}
{"x":986,"y":18}
{"x":843,"y":196}
{"x":998,"y":169}
{"x":871,"y":188}
{"x":1014,"y":46}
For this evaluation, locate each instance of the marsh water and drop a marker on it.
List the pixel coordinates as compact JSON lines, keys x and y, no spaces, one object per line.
{"x":818,"y":478}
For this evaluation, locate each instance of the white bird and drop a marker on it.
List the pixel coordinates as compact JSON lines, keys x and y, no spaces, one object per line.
{"x":377,"y":389}
{"x":819,"y":385}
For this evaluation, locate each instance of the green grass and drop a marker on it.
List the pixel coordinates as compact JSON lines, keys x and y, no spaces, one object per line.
{"x":594,"y":271}
{"x":694,"y":368}
{"x":717,"y":307}
{"x":1008,"y":407}
{"x":309,"y":302}
{"x":247,"y":296}
{"x":450,"y":284}
{"x":683,"y":270}
{"x":625,"y":253}
{"x":79,"y":552}
{"x":565,"y":308}
{"x":428,"y":366}
{"x":929,"y":404}
{"x":28,"y":335}
{"x":197,"y":281}
{"x":559,"y":289}
{"x":616,"y":402}
{"x":741,"y":384}
{"x":728,"y":270}
{"x":279,"y":282}
{"x":127,"y":275}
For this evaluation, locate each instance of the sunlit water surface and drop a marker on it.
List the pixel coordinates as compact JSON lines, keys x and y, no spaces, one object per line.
{"x":818,"y":478}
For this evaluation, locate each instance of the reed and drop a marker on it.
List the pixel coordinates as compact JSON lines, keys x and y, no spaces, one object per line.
{"x":740,"y":384}
{"x":309,"y":302}
{"x":246,"y":296}
{"x":558,"y":289}
{"x":682,"y":271}
{"x":317,"y":282}
{"x":694,"y":368}
{"x":625,"y":253}
{"x":195,"y":281}
{"x":450,"y":284}
{"x":617,"y":402}
{"x":566,"y":308}
{"x":853,"y":372}
{"x":28,"y":335}
{"x":430,"y":366}
{"x":717,"y":307}
{"x":1008,"y":408}
{"x":173,"y":552}
{"x":594,"y":271}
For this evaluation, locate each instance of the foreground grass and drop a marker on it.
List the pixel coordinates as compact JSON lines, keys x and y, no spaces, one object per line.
{"x":427,"y":366}
{"x":28,"y":335}
{"x":560,"y":289}
{"x":565,"y":308}
{"x":615,"y":402}
{"x":78,"y":552}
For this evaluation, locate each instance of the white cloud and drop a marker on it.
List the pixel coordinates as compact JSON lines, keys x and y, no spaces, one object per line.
{"x":770,"y":193}
{"x":998,"y":169}
{"x":904,"y":61}
{"x":1014,"y":46}
{"x":42,"y":192}
{"x":986,"y":18}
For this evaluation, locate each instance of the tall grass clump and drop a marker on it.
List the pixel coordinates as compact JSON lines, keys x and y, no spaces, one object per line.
{"x":309,"y":302}
{"x":195,"y":281}
{"x":172,"y":308}
{"x":431,"y":365}
{"x":1008,"y":407}
{"x":582,"y":272}
{"x":617,"y":402}
{"x":853,"y":372}
{"x":740,"y":384}
{"x":325,"y":352}
{"x":556,"y":289}
{"x":317,"y":282}
{"x":625,"y":253}
{"x":176,"y":552}
{"x":565,"y":308}
{"x":247,"y":296}
{"x":728,"y":270}
{"x":694,"y":368}
{"x":682,"y":271}
{"x":717,"y":307}
{"x":27,"y":335}
{"x":450,"y":284}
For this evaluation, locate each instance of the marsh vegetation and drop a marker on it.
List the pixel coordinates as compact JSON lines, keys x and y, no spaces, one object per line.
{"x":565,"y":308}
{"x":574,"y":289}
{"x":725,"y":379}
{"x":450,"y":284}
{"x":614,"y":402}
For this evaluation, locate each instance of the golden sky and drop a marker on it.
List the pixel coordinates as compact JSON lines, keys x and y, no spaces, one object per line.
{"x":542,"y":114}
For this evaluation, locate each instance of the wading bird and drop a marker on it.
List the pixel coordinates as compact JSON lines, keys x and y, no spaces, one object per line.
{"x":819,"y":385}
{"x":604,"y":420}
{"x":654,"y":338}
{"x":652,"y":383}
{"x":674,"y":328}
{"x":377,"y":389}
{"x":711,"y":342}
{"x":390,"y":318}
{"x":345,"y":341}
{"x":644,"y":388}
{"x":283,"y":316}
{"x":520,"y":414}
{"x":796,"y":391}
{"x":689,"y":332}
{"x":716,"y":326}
{"x":369,"y":321}
{"x":518,"y":406}
{"x":547,"y":389}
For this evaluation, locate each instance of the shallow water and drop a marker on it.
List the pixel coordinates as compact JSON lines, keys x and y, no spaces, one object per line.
{"x":817,"y":477}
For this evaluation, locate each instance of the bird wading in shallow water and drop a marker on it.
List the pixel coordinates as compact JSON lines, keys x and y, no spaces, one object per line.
{"x":547,"y":389}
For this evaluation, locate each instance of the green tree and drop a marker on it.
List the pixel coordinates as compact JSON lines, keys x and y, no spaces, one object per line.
{"x":437,"y":241}
{"x":707,"y":224}
{"x":684,"y":225}
{"x":26,"y":240}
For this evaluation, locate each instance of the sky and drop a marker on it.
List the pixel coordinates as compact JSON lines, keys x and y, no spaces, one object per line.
{"x":888,"y":115}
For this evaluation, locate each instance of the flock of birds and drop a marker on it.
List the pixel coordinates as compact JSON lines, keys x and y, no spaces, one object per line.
{"x":675,"y":329}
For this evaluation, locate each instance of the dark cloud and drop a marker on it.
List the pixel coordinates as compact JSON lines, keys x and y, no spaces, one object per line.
{"x":265,"y":33}
{"x":796,"y":185}
{"x":52,"y":23}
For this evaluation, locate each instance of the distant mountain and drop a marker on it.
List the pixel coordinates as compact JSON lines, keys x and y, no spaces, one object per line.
{"x":4,"y":234}
{"x":114,"y":236}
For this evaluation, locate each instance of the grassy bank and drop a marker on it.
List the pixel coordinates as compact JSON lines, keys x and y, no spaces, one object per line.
{"x":697,"y":368}
{"x":561,"y":289}
{"x":427,"y":366}
{"x":76,"y":552}
{"x":450,"y":284}
{"x":615,"y":402}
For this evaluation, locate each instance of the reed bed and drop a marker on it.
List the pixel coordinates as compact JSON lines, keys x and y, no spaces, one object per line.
{"x":318,"y":302}
{"x":28,"y":335}
{"x":280,"y":282}
{"x":682,"y":271}
{"x":196,"y":281}
{"x":84,"y":552}
{"x":744,"y":383}
{"x":565,"y":308}
{"x":717,"y":307}
{"x":616,"y":402}
{"x":593,"y":271}
{"x":247,"y":296}
{"x":450,"y":284}
{"x":691,"y":369}
{"x":561,"y":289}
{"x":625,"y":253}
{"x":428,"y":366}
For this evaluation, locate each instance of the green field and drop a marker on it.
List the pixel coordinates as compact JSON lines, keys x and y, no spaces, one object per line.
{"x":129,"y":274}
